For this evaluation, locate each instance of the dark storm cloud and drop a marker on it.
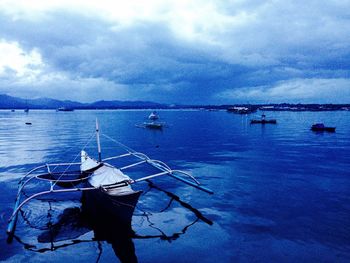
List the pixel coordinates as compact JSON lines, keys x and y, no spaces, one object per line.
{"x":239,"y":51}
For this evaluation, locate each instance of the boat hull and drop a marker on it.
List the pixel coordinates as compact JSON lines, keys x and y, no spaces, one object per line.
{"x":119,"y":207}
{"x":64,"y":109}
{"x":263,"y":121}
{"x":327,"y":129}
{"x":110,"y":218}
{"x":155,"y":126}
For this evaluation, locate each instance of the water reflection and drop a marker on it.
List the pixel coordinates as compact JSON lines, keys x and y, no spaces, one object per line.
{"x":281,"y":192}
{"x":111,"y":224}
{"x":84,"y":224}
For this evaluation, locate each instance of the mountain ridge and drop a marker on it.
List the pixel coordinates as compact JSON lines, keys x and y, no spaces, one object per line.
{"x":11,"y":102}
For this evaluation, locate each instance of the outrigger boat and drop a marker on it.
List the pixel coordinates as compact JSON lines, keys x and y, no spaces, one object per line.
{"x":98,"y":180}
{"x":153,"y":125}
{"x":263,"y":120}
{"x":320,"y":127}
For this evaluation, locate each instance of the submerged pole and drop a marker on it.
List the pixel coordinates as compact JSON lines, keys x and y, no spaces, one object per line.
{"x":98,"y":141}
{"x":13,"y":219}
{"x":204,"y":189}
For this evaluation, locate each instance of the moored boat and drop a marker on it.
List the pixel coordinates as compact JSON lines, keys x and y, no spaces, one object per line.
{"x":320,"y":127}
{"x":112,"y":190}
{"x":64,"y":109}
{"x":105,"y":184}
{"x":153,"y":125}
{"x":241,"y":109}
{"x":263,"y":120}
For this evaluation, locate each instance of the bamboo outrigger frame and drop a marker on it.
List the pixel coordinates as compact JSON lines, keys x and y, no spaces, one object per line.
{"x":163,"y":168}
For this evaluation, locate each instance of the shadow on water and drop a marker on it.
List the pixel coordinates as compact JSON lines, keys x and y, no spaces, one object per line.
{"x":92,"y":222}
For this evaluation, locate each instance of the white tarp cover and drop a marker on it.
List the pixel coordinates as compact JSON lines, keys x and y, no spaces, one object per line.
{"x":87,"y":163}
{"x":105,"y":175}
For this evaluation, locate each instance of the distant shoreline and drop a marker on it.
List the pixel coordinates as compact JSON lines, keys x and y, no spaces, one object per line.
{"x":251,"y":107}
{"x":13,"y":103}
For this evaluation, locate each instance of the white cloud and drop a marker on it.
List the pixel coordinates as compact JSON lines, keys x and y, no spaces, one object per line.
{"x":20,"y":62}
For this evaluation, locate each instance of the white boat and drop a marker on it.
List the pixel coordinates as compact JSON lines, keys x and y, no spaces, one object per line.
{"x":109,"y":180}
{"x":64,"y":109}
{"x":106,"y":185}
{"x":153,"y":125}
{"x":153,"y":116}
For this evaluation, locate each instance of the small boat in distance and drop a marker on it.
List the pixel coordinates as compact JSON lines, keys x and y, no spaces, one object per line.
{"x":64,"y":109}
{"x":263,"y":120}
{"x":319,"y":127}
{"x":153,"y":125}
{"x":241,"y":110}
{"x":153,"y":116}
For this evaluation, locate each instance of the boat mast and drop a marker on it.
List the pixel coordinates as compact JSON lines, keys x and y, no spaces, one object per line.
{"x":98,"y":141}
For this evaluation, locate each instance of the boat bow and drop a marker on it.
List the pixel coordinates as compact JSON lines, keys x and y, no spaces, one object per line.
{"x":105,"y":176}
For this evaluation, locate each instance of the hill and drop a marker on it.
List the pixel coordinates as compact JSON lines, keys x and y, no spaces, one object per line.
{"x":9,"y":102}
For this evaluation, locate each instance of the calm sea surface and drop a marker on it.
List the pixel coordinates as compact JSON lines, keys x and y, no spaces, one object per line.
{"x":282,"y":192}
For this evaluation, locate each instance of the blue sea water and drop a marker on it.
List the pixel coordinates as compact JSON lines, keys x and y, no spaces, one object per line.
{"x":282,"y":192}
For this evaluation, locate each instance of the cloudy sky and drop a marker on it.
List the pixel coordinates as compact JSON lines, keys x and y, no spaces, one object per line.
{"x":192,"y":51}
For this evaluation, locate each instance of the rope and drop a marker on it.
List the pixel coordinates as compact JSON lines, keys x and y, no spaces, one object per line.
{"x":155,"y":163}
{"x":26,"y":220}
{"x":68,"y":166}
{"x":127,"y":148}
{"x":54,"y":168}
{"x":99,"y":246}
